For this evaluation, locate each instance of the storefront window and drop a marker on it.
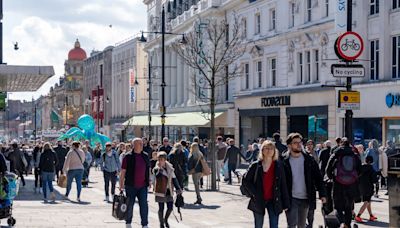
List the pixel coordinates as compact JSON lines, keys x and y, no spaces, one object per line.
{"x":318,"y":128}
{"x":393,"y":131}
{"x":366,"y":129}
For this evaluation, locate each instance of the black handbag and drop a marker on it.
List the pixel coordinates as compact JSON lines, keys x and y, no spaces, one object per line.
{"x":244,"y":189}
{"x":120,"y":206}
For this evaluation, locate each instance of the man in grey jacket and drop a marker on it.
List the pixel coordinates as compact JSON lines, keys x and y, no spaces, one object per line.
{"x":232,"y":156}
{"x":111,"y":168}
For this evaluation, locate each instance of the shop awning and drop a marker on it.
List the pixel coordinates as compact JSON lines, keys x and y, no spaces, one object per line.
{"x":173,"y":119}
{"x":23,"y":78}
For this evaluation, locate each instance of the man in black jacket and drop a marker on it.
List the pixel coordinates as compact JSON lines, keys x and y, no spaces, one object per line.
{"x":61,"y":153}
{"x":232,"y":156}
{"x":324,"y":156}
{"x":303,"y":178}
{"x":165,"y":146}
{"x":278,"y":143}
{"x":343,"y":194}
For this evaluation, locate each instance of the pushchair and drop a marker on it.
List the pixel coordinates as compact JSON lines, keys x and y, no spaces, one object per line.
{"x":8,"y":191}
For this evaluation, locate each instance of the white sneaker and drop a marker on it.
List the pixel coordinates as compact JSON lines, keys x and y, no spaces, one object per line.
{"x":106,"y":198}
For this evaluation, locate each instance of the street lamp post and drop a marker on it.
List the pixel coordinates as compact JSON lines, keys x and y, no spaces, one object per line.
{"x":149,"y":92}
{"x":163,"y":85}
{"x":98,"y":108}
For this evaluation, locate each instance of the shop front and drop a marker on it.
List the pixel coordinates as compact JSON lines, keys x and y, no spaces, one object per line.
{"x":379,"y":114}
{"x":311,"y":112}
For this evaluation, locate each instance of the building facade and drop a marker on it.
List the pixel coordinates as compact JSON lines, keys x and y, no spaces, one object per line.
{"x":97,"y":78}
{"x":130,"y":91}
{"x":290,"y":52}
{"x":180,"y":100}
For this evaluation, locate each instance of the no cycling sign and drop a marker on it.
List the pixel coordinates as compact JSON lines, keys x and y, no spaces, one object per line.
{"x":349,"y":46}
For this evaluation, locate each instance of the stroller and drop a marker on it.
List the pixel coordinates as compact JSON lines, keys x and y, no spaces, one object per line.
{"x":8,"y":191}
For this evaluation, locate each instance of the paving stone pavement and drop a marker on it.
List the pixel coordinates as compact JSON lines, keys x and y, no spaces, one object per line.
{"x":226,"y":208}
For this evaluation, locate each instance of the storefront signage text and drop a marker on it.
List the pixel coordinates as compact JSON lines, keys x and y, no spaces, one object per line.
{"x":392,"y":99}
{"x":275,"y":101}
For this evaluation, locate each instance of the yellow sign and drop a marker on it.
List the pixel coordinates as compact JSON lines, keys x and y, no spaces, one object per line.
{"x":349,"y":100}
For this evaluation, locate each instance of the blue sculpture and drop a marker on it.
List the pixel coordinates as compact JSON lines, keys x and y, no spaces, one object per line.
{"x":86,"y":131}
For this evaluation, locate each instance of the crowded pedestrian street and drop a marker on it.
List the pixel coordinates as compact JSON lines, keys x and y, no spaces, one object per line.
{"x":223,"y":209}
{"x":200,"y":113}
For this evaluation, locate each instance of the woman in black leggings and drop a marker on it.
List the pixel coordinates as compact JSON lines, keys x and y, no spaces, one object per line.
{"x":36,"y":158}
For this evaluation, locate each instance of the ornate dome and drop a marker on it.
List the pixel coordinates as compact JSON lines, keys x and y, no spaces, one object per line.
{"x":77,"y":53}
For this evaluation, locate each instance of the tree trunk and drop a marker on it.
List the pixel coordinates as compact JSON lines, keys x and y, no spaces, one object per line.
{"x":214,"y":170}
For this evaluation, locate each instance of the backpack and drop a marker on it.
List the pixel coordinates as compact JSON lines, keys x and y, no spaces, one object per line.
{"x":244,"y":189}
{"x":346,"y":173}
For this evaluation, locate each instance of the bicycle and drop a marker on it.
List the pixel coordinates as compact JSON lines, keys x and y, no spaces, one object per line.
{"x":352,"y":44}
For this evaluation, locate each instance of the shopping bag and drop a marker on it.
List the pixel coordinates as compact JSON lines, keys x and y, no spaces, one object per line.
{"x":206,"y":169}
{"x":120,"y":206}
{"x":62,"y":181}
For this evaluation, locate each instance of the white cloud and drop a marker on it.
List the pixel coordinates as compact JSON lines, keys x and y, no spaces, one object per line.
{"x":45,"y":37}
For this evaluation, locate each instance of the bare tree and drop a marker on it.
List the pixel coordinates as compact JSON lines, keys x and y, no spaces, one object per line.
{"x":212,"y":50}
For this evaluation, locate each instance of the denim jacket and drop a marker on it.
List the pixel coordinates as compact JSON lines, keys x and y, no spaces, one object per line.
{"x":110,"y":163}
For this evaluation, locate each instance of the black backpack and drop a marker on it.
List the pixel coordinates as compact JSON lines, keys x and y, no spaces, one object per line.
{"x":244,"y":189}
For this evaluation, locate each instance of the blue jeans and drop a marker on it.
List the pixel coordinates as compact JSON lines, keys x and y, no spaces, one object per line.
{"x":296,"y":216}
{"x":141,"y":194}
{"x":77,"y":174}
{"x":273,"y":217}
{"x":47,"y":180}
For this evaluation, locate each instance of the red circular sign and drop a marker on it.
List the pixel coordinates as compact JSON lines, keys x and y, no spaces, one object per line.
{"x":350,"y":45}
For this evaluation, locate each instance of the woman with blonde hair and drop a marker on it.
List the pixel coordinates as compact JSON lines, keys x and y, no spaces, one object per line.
{"x":266,"y":183}
{"x":195,"y":168}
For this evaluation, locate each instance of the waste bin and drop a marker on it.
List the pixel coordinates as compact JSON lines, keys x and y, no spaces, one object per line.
{"x":393,"y":182}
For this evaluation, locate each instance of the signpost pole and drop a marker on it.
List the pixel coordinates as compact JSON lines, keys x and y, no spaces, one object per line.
{"x":349,"y":113}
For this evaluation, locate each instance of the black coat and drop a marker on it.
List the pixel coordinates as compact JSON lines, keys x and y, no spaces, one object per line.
{"x":280,"y":191}
{"x":366,"y":180}
{"x":324,"y":156}
{"x":48,"y":161}
{"x":232,"y":155}
{"x":281,"y":148}
{"x":330,"y":172}
{"x":61,"y":153}
{"x":312,"y":175}
{"x":179,"y":162}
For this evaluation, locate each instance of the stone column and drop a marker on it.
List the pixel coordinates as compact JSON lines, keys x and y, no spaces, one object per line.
{"x":179,"y":81}
{"x":174,"y":83}
{"x":191,"y":91}
{"x":283,"y":123}
{"x":168,"y":78}
{"x":185,"y":79}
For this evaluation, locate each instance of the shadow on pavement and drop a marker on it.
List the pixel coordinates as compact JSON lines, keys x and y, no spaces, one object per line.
{"x":377,"y":224}
{"x":201,"y":206}
{"x":27,"y":193}
{"x":79,"y":203}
